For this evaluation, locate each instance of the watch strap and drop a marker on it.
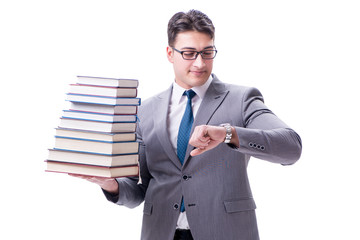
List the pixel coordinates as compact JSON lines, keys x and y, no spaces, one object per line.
{"x":228,"y":129}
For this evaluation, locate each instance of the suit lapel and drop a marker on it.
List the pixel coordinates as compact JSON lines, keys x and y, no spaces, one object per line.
{"x":213,"y":98}
{"x":161,"y":126}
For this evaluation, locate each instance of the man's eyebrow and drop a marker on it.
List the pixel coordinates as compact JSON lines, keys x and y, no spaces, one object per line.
{"x":194,"y":49}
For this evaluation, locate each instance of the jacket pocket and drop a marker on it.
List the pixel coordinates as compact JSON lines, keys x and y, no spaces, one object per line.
{"x":239,"y":205}
{"x":147,"y":208}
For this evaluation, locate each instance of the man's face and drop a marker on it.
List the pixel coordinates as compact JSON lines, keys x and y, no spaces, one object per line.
{"x":191,"y":73}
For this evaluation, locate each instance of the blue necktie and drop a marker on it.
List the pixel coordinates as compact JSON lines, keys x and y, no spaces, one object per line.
{"x":184,"y":132}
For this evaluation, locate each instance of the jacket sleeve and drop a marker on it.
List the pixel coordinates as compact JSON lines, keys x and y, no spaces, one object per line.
{"x":131,"y":190}
{"x":264,"y":135}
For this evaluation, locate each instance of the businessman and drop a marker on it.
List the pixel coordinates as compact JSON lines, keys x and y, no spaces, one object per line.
{"x":196,"y":139}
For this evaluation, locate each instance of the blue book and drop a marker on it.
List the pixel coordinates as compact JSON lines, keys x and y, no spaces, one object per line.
{"x":114,"y":118}
{"x":74,"y":97}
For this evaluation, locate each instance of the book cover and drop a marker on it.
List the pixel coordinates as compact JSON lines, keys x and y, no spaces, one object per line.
{"x":91,"y":170}
{"x":102,"y":99}
{"x":92,"y":159}
{"x":95,"y":135}
{"x":103,"y":108}
{"x":110,"y":82}
{"x":103,"y":91}
{"x":95,"y":146}
{"x":97,"y":125}
{"x":99,"y":116}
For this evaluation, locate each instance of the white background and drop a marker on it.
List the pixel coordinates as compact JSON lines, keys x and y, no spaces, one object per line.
{"x":304,"y":56}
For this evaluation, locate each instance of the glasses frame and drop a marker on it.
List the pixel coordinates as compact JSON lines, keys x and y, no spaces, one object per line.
{"x":197,"y":54}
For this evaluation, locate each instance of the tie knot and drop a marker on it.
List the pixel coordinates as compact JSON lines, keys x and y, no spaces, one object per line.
{"x":190,"y":93}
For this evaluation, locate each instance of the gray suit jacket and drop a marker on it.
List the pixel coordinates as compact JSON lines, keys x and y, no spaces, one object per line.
{"x":217,"y":195}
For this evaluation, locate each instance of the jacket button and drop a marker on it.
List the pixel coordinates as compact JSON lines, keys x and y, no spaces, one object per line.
{"x":186,"y":177}
{"x":176,"y":206}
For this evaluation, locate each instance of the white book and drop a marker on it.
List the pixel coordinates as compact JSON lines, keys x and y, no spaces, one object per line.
{"x":92,"y":159}
{"x":99,"y":116}
{"x":97,"y":125}
{"x":110,"y":82}
{"x":91,"y":170}
{"x":97,"y":147}
{"x":103,"y":91}
{"x":94,"y":135}
{"x":103,"y":108}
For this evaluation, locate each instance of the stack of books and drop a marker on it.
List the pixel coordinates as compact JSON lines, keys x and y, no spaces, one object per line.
{"x":96,"y":136}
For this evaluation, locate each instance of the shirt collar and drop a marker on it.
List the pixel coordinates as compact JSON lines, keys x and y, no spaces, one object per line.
{"x":200,"y":91}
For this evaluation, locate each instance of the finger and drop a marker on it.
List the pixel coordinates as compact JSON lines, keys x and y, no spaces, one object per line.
{"x":197,"y":140}
{"x":197,"y":151}
{"x":204,"y":138}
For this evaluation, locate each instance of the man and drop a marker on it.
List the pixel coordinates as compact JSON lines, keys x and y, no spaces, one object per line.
{"x":198,"y":188}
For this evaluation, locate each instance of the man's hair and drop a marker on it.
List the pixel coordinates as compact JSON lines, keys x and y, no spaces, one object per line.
{"x":193,"y":20}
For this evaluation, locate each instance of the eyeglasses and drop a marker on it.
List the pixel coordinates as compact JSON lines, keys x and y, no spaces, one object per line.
{"x":192,"y":55}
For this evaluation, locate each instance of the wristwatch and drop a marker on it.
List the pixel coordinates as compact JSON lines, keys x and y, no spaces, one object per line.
{"x":228,"y":135}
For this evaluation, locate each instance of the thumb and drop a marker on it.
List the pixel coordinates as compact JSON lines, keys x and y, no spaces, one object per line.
{"x":197,"y":151}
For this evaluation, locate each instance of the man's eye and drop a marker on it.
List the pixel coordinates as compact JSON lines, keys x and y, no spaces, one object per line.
{"x":208,"y":53}
{"x":189,"y":54}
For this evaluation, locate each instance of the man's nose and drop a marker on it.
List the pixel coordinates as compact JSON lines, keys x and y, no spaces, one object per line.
{"x":199,"y":61}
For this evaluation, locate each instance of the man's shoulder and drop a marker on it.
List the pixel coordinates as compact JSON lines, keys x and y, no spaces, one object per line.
{"x":158,"y":96}
{"x":150,"y":104}
{"x":236,"y":92}
{"x":231,"y":87}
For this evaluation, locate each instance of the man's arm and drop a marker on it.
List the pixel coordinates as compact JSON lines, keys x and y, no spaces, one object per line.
{"x":263,"y":135}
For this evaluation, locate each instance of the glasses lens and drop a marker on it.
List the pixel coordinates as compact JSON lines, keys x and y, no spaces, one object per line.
{"x":209,"y":54}
{"x":189,"y":54}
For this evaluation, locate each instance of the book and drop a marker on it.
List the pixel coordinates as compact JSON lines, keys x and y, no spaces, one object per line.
{"x":94,"y":135}
{"x":92,"y":159}
{"x":103,"y":108}
{"x":91,"y":170}
{"x":102,"y":99}
{"x":103,"y":91}
{"x":97,"y":125}
{"x":110,"y":82}
{"x":95,"y":146}
{"x":99,"y":116}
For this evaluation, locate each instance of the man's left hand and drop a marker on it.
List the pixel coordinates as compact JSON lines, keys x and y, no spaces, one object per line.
{"x":206,"y":137}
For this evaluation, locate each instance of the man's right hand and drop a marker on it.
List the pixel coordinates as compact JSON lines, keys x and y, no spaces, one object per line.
{"x":108,"y":184}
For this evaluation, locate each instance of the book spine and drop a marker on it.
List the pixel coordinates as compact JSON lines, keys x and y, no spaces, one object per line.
{"x":84,"y":119}
{"x":92,"y":140}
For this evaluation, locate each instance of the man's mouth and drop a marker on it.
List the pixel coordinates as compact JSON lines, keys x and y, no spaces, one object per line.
{"x":197,"y":73}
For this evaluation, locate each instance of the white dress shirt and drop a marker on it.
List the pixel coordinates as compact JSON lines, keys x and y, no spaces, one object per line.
{"x":177,"y":107}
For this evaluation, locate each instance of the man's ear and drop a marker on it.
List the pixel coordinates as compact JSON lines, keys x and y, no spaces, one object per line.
{"x":170,"y":54}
